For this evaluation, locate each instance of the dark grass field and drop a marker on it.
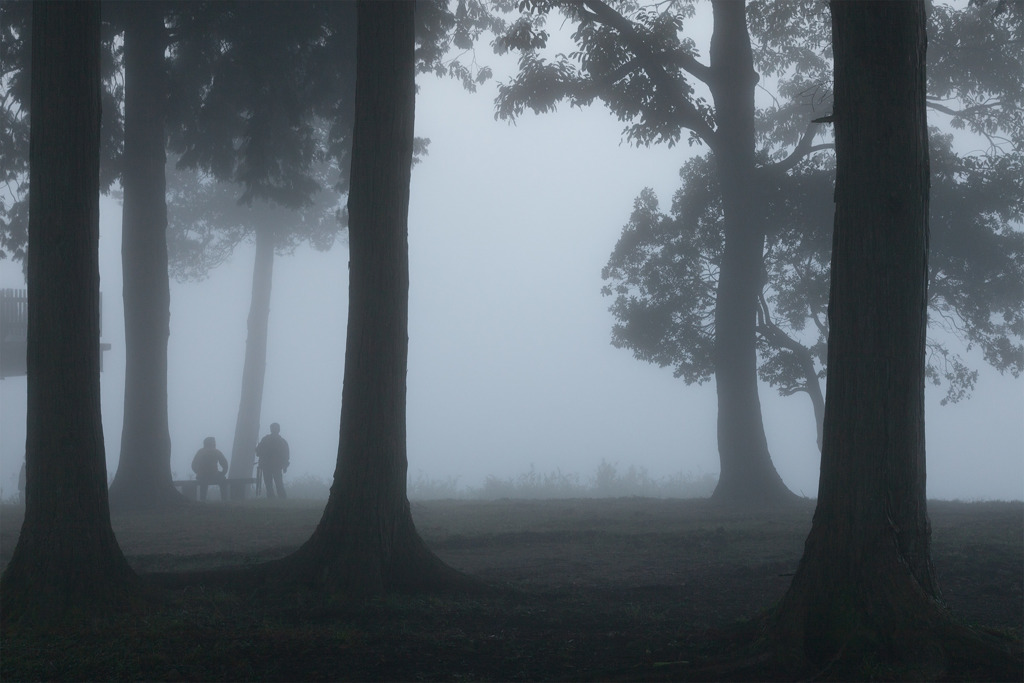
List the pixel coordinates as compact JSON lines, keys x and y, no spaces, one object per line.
{"x":627,"y":588}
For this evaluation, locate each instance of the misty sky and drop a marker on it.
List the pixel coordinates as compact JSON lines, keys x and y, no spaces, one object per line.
{"x":510,"y":364}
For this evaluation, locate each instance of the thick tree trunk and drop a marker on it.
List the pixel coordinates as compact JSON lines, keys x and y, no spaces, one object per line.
{"x":864,"y":593}
{"x":247,"y":426}
{"x":67,"y":562}
{"x":366,"y":541}
{"x":143,"y":476}
{"x":748,"y":476}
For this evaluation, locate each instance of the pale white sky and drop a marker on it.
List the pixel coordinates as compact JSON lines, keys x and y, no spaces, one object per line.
{"x":510,"y":362}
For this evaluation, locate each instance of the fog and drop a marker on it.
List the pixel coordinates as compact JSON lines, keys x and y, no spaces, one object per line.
{"x":510,"y":365}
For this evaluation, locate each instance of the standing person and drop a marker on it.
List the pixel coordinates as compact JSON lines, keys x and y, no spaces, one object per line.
{"x":211,"y":467}
{"x":273,"y":455}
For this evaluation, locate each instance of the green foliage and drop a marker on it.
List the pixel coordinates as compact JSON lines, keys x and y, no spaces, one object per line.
{"x":15,"y":58}
{"x":976,"y":290}
{"x":206,"y":221}
{"x":260,"y":96}
{"x":250,"y":84}
{"x":262,"y":99}
{"x":665,"y":275}
{"x":445,"y":38}
{"x":632,"y":58}
{"x":15,"y":46}
{"x":976,"y":70}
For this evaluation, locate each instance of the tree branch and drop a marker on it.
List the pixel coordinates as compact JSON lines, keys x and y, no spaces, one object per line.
{"x":598,"y":11}
{"x":932,"y":104}
{"x":803,"y":149}
{"x":597,"y":85}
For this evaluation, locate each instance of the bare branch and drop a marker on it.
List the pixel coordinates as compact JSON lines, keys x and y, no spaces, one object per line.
{"x":932,"y":104}
{"x":803,"y":149}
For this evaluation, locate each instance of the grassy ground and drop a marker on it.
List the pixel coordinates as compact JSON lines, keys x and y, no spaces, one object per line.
{"x":590,"y":588}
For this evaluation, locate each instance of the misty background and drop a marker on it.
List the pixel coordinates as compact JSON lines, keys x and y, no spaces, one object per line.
{"x":510,"y":361}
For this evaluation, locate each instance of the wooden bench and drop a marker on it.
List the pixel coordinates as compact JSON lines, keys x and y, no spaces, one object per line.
{"x":236,"y":486}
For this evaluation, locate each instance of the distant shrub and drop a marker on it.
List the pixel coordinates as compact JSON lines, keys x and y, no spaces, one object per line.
{"x":607,"y":482}
{"x":531,"y":484}
{"x":308,"y":487}
{"x":9,"y":498}
{"x":424,"y":488}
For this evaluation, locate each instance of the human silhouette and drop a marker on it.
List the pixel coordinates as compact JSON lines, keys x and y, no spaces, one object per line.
{"x":273,"y":455}
{"x":211,"y":467}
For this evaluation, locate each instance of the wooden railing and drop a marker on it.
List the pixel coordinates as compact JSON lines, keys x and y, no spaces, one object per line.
{"x":14,"y":332}
{"x":13,"y":312}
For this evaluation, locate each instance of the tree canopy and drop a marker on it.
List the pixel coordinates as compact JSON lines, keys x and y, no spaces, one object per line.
{"x":665,"y":264}
{"x":663,"y":275}
{"x":15,"y":107}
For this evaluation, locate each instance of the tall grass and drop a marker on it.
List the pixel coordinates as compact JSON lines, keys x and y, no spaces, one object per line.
{"x":607,"y":482}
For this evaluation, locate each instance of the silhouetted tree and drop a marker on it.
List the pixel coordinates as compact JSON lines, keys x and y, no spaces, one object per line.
{"x":664,"y":269}
{"x":15,"y":62}
{"x":256,"y":88}
{"x":632,"y":58}
{"x":15,"y":50}
{"x":271,"y":76}
{"x":366,"y":540}
{"x":864,"y":601}
{"x":67,"y":562}
{"x":276,"y":69}
{"x":143,"y":477}
{"x":765,"y":179}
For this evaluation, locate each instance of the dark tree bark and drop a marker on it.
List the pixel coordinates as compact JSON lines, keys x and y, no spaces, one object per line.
{"x":143,"y":476}
{"x":865,"y":592}
{"x":366,"y":541}
{"x":247,"y":426}
{"x":67,"y":562}
{"x":748,"y":476}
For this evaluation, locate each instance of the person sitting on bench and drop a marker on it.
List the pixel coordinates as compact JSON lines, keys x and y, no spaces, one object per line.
{"x":211,"y":467}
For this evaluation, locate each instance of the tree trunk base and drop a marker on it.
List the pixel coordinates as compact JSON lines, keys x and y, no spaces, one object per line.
{"x":337,"y":578}
{"x":894,"y":633}
{"x":769,"y":494}
{"x":41,"y":594}
{"x":352,"y":569}
{"x":938,"y":649}
{"x":752,"y":651}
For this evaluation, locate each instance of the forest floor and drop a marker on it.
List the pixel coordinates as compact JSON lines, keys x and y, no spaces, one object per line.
{"x":610,"y":589}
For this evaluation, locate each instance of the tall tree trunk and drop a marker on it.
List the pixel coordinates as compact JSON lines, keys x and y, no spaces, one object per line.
{"x":67,"y":562}
{"x":773,"y":335}
{"x":143,"y":476}
{"x":247,"y":426}
{"x":366,"y":540}
{"x":748,"y":476}
{"x":817,"y":398}
{"x":865,"y":591}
